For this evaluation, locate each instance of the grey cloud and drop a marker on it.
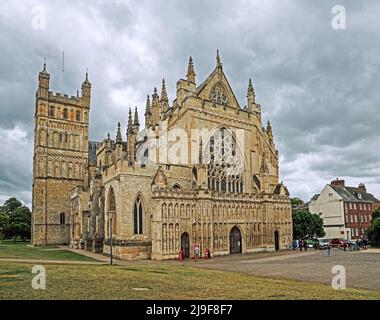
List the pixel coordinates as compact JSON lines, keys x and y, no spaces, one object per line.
{"x":319,"y":87}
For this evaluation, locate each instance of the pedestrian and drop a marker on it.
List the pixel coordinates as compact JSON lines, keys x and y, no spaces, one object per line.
{"x":315,"y":245}
{"x":294,"y":245}
{"x":329,"y":250}
{"x":301,"y":244}
{"x":305,"y":245}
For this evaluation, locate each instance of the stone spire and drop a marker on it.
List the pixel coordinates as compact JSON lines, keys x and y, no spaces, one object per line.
{"x":190,"y":71}
{"x":131,"y":140}
{"x":164,"y":95}
{"x":148,"y":113}
{"x":155,"y":108}
{"x":251,"y":99}
{"x":43,"y":82}
{"x":164,"y":100}
{"x":269,"y":130}
{"x":130,"y":124}
{"x":136,"y":123}
{"x":119,"y":138}
{"x":86,"y":91}
{"x":218,"y":60}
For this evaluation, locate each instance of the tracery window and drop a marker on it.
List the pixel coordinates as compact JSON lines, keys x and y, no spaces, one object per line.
{"x":224,"y":163}
{"x":219,"y":95}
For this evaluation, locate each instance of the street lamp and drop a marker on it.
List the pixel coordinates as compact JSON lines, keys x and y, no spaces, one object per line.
{"x":110,"y":217}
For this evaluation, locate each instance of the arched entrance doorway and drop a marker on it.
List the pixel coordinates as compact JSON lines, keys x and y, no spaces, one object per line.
{"x":235,"y":241}
{"x":185,"y":244}
{"x":277,"y":240}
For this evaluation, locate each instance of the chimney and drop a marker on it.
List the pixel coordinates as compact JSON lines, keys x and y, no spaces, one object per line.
{"x":338,"y":183}
{"x":362,"y":188}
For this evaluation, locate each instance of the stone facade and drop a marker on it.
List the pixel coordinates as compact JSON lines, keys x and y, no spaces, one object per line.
{"x":203,"y":172}
{"x":60,"y":154}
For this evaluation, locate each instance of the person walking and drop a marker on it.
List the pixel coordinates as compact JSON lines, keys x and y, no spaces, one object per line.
{"x":305,"y":245}
{"x":301,"y":244}
{"x":315,"y":245}
{"x":329,"y":250}
{"x":294,"y":245}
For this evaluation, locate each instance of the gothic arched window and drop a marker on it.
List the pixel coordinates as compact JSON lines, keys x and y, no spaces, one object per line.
{"x":224,"y":163}
{"x":138,"y":216}
{"x":219,"y":95}
{"x":111,"y":210}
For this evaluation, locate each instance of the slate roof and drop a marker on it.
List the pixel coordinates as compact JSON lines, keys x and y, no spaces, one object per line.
{"x":364,"y":196}
{"x":352,"y":194}
{"x":315,"y":197}
{"x":92,"y":147}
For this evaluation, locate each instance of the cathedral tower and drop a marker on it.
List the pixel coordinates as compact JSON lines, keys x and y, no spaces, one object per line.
{"x":60,"y":155}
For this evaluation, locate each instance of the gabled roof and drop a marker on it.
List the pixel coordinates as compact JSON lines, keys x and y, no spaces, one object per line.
{"x":365,"y":196}
{"x":223,"y":79}
{"x":315,"y":197}
{"x":352,"y":194}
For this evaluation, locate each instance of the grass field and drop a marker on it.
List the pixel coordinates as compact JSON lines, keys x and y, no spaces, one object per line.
{"x":145,"y":280}
{"x":21,"y":250}
{"x":157,"y":281}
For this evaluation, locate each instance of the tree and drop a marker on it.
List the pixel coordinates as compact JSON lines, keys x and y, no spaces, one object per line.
{"x":11,"y":205}
{"x":296,"y":202}
{"x":307,"y":225}
{"x":15,"y":220}
{"x":373,"y":231}
{"x":4,"y":223}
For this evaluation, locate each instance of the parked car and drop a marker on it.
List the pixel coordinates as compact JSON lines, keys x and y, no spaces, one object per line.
{"x":339,"y":242}
{"x":323,"y":244}
{"x":310,"y":243}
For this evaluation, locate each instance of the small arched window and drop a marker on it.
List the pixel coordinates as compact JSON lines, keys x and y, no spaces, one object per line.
{"x":65,"y":114}
{"x":138,"y":216}
{"x":51,"y":112}
{"x":77,"y":115}
{"x":177,"y":187}
{"x":62,"y":218}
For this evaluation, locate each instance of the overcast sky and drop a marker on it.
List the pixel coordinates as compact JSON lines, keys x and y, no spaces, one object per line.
{"x":318,"y":86}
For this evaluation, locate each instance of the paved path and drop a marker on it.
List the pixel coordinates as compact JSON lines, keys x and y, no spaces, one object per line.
{"x":362,"y":267}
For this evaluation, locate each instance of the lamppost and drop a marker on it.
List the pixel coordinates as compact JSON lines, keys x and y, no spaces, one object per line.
{"x":110,"y":216}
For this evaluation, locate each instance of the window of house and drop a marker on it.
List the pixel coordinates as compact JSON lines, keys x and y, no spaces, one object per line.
{"x":62,"y":218}
{"x":351,"y":218}
{"x":350,"y":205}
{"x":365,"y":219}
{"x":356,"y":218}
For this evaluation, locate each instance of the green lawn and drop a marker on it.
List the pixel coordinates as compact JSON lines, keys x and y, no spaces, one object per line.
{"x":21,"y":250}
{"x":158,"y":281}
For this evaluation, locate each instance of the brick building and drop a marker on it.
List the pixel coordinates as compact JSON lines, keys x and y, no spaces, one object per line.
{"x":346,"y":211}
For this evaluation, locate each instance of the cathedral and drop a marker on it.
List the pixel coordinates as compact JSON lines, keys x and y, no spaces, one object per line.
{"x":202,"y":173}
